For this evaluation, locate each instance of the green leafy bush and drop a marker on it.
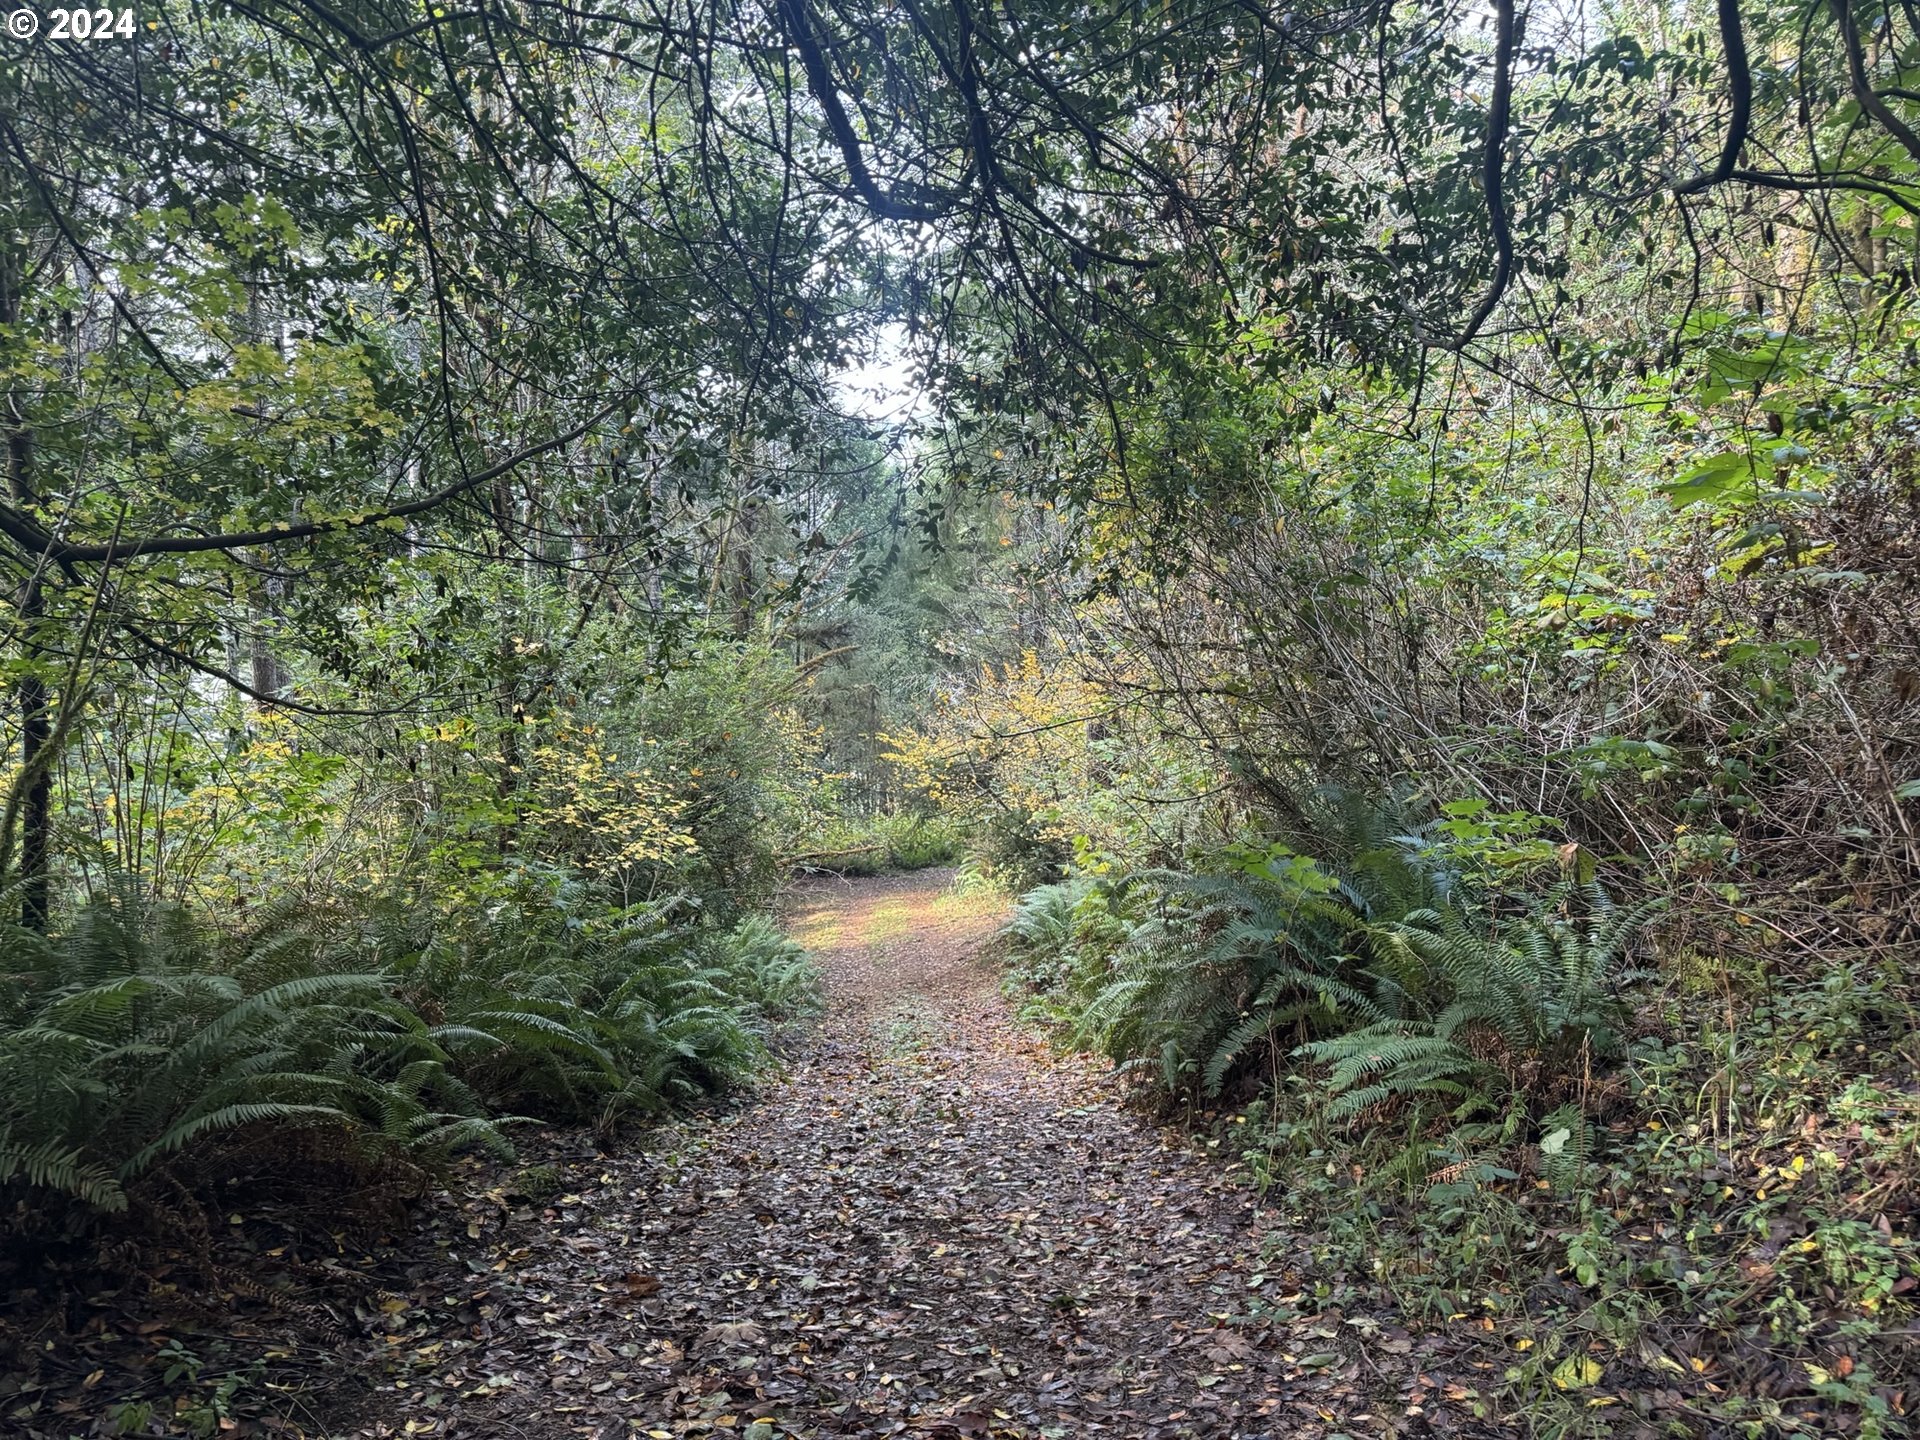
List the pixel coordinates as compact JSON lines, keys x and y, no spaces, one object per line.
{"x":1742,"y":1198}
{"x":919,"y":842}
{"x":1407,"y":991}
{"x":880,"y":844}
{"x":1061,"y":941}
{"x":766,"y":970}
{"x":1223,"y":968}
{"x":1018,"y":852}
{"x":568,"y":1010}
{"x":1041,"y":928}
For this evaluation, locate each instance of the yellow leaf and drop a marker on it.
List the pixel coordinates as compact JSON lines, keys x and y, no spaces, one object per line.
{"x":1576,"y":1372}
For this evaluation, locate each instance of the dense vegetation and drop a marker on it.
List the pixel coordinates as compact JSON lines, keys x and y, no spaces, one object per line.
{"x":1391,"y":529}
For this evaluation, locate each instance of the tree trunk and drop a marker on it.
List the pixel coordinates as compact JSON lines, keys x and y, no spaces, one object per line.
{"x":36,"y":765}
{"x":267,"y":674}
{"x":36,"y":721}
{"x":267,"y":597}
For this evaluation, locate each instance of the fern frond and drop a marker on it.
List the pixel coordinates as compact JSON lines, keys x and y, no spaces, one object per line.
{"x":52,"y":1165}
{"x":229,"y":1117}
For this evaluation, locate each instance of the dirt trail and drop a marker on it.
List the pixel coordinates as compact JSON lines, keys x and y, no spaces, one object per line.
{"x":929,"y":1226}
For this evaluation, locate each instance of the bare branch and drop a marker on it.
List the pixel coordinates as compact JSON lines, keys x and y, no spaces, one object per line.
{"x":1493,"y":170}
{"x":1733,"y":42}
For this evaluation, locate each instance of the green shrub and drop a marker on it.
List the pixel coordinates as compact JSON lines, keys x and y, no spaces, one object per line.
{"x":919,"y":842}
{"x":1041,"y":927}
{"x":1019,"y":853}
{"x":568,"y":1010}
{"x":1060,"y":942}
{"x":971,"y":877}
{"x":1392,"y":976}
{"x":881,"y":844}
{"x":766,"y":969}
{"x":1223,"y":968}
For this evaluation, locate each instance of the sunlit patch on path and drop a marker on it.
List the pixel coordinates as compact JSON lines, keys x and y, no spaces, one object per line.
{"x":832,"y":916}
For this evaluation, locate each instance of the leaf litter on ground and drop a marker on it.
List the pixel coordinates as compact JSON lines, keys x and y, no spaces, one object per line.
{"x":930,"y":1224}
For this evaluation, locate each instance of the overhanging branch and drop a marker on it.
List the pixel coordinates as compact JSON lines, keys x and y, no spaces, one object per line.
{"x":1733,"y":43}
{"x":1493,"y":173}
{"x":813,"y":61}
{"x":24,"y":531}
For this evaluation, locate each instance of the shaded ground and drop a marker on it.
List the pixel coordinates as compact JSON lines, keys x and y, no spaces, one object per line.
{"x":931,"y":1225}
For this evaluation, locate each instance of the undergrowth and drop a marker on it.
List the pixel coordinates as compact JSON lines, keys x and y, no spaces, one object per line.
{"x":146,"y":1056}
{"x":1488,"y":1099}
{"x":881,"y":844}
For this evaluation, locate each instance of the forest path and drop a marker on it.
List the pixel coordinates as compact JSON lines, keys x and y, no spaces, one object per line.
{"x":931,"y":1225}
